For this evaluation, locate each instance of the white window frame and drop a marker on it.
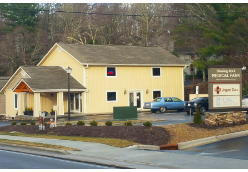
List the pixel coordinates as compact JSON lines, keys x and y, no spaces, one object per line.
{"x":156,"y":90}
{"x":160,"y":71}
{"x":109,"y":92}
{"x":115,"y":72}
{"x":15,"y":101}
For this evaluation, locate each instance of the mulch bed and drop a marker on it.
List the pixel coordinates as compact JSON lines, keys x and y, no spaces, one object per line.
{"x":205,"y":126}
{"x":144,"y":135}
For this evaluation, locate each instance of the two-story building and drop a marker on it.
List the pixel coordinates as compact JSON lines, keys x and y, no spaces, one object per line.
{"x":102,"y":77}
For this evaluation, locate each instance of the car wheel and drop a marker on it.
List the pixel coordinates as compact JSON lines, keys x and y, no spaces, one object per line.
{"x":162,"y":109}
{"x":180,"y":110}
{"x":202,"y":110}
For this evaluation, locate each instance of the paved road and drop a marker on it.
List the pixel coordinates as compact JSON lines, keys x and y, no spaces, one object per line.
{"x":16,"y":160}
{"x":232,"y":148}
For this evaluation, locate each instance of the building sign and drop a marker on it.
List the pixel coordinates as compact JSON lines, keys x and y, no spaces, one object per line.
{"x":224,"y":88}
{"x":226,"y":101}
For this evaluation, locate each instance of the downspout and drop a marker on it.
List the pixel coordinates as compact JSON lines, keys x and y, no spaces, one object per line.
{"x":84,"y":83}
{"x":183,"y":83}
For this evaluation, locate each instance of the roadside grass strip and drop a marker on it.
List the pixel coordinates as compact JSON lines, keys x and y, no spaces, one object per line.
{"x":108,"y":141}
{"x":33,"y":144}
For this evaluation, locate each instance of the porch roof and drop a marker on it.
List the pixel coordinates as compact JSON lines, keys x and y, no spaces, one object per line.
{"x":48,"y":79}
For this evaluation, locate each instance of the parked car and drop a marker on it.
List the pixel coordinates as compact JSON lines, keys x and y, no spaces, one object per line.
{"x":245,"y":103}
{"x":201,"y":102}
{"x":165,"y":103}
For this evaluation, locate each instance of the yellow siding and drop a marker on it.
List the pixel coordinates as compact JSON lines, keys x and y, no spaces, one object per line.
{"x":48,"y":100}
{"x":58,"y":57}
{"x":10,"y":110}
{"x":30,"y":100}
{"x":130,"y":78}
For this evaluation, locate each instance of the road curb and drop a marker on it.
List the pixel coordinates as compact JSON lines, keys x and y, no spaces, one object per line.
{"x":207,"y":140}
{"x":35,"y":148}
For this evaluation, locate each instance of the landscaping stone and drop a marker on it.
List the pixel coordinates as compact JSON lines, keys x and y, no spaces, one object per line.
{"x":225,"y":118}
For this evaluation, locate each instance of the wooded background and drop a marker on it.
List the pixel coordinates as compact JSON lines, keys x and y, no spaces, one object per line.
{"x":216,"y":33}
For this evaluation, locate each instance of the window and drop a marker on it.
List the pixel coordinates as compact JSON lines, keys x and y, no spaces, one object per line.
{"x":111,"y":71}
{"x":156,"y":71}
{"x":156,"y":94}
{"x":177,"y":100}
{"x":111,"y":96}
{"x":16,"y":101}
{"x":168,"y":99}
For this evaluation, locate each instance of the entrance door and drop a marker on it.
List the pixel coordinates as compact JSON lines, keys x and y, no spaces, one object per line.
{"x":75,"y":102}
{"x":135,"y":99}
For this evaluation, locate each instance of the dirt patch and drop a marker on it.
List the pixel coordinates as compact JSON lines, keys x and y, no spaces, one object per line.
{"x":139,"y":134}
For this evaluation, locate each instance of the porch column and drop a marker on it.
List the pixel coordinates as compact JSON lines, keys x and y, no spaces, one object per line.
{"x":19,"y":100}
{"x":37,"y":105}
{"x":60,"y":103}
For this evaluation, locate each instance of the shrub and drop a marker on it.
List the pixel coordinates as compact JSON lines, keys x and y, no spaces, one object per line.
{"x":197,"y":117}
{"x":13,"y":123}
{"x":147,"y":124}
{"x":68,"y":123}
{"x":32,"y":123}
{"x":128,"y":123}
{"x":81,"y":123}
{"x":23,"y":123}
{"x":93,"y":123}
{"x":108,"y":123}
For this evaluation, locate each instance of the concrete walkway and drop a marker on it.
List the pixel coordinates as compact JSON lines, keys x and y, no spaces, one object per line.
{"x":126,"y":157}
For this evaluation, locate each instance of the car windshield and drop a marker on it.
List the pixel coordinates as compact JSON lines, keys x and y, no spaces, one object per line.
{"x":158,"y":99}
{"x":197,"y":100}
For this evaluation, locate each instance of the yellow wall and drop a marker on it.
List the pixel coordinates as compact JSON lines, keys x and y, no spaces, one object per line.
{"x":60,"y":58}
{"x":130,"y":78}
{"x":48,"y":100}
{"x":10,"y":110}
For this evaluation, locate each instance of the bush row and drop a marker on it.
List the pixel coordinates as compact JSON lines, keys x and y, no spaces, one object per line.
{"x":109,"y":123}
{"x":22,"y":123}
{"x":92,"y":123}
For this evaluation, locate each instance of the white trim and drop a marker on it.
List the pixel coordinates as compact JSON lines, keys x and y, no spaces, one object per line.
{"x":58,"y":90}
{"x":157,"y":90}
{"x":10,"y":79}
{"x":56,"y":44}
{"x":16,"y":102}
{"x":85,"y":93}
{"x":107,"y":72}
{"x":145,"y":65}
{"x":108,"y":91}
{"x":160,"y":72}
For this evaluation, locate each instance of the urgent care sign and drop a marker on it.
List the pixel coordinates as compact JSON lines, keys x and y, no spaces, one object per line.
{"x":225,"y":88}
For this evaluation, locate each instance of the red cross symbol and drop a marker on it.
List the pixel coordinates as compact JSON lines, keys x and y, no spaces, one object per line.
{"x":217,"y":89}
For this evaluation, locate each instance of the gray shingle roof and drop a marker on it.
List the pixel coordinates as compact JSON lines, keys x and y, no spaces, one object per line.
{"x":117,"y":54}
{"x":49,"y":77}
{"x":3,"y":81}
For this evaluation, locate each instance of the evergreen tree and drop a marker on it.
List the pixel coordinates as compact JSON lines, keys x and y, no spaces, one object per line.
{"x":19,"y":14}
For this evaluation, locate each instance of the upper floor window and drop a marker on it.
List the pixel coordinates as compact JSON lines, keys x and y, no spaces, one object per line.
{"x":111,"y":72}
{"x":156,"y":71}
